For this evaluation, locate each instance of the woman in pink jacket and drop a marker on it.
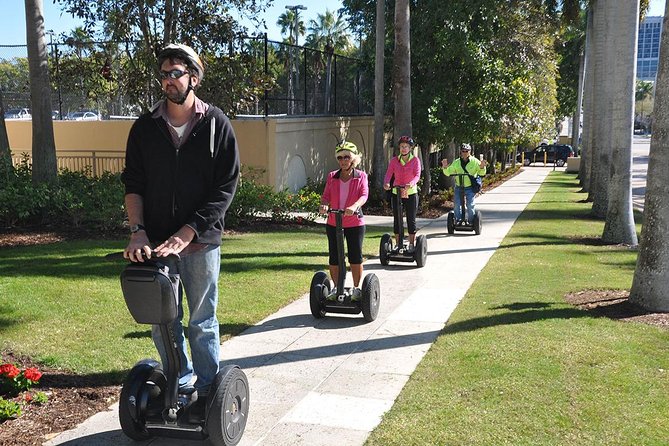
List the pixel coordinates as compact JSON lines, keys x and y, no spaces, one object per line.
{"x":405,"y":167}
{"x":347,"y":189}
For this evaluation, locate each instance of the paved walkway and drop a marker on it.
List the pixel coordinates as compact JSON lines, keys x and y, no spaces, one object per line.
{"x":329,"y":381}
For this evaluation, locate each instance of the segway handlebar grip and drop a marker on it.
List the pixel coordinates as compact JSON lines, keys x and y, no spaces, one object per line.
{"x":115,"y":256}
{"x":341,"y":211}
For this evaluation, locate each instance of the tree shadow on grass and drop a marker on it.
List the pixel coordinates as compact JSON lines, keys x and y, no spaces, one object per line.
{"x":527,"y":313}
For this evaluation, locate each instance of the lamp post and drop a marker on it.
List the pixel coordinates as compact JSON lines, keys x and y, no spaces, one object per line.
{"x":295,"y":69}
{"x":54,"y":52}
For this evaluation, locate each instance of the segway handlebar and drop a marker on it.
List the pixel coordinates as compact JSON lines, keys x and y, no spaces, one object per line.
{"x":341,"y":211}
{"x":115,"y":256}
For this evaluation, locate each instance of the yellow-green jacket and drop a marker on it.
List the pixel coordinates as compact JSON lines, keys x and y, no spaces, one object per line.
{"x":473,"y":168}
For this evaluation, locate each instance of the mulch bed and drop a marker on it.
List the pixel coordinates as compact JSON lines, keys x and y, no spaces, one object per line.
{"x":71,"y":400}
{"x":615,"y":304}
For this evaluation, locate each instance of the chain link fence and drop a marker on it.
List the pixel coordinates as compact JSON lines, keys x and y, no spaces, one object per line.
{"x":252,"y":76}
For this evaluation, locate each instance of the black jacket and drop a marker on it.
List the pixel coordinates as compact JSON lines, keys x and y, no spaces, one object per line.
{"x":190,"y":185}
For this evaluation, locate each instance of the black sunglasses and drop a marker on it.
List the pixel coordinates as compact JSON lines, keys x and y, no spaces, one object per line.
{"x":344,"y":157}
{"x":172,"y":74}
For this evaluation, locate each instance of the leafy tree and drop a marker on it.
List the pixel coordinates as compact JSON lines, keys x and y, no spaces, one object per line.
{"x":142,"y":28}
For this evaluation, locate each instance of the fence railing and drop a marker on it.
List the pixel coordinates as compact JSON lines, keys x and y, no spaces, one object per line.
{"x":91,"y":162}
{"x":91,"y":76}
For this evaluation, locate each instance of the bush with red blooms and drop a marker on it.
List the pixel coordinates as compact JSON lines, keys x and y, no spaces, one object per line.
{"x":13,"y":381}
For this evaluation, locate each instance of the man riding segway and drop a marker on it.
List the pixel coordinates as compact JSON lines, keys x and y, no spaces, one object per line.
{"x":468,"y":170}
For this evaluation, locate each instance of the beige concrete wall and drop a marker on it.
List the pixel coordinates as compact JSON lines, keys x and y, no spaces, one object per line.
{"x":305,"y":147}
{"x":288,"y":150}
{"x":73,"y":135}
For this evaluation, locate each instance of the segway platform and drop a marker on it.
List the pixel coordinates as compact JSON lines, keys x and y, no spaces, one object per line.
{"x":150,"y":404}
{"x":321,"y":298}
{"x":401,"y":252}
{"x":463,"y":225}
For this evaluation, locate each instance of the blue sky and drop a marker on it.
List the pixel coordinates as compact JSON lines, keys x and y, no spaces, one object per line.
{"x":12,"y":21}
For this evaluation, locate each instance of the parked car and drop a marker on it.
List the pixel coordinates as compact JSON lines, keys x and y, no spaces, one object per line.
{"x":83,"y":116}
{"x":555,"y":153}
{"x":18,"y":113}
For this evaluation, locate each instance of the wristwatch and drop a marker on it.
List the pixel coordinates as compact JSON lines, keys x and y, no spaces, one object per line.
{"x":136,"y":228}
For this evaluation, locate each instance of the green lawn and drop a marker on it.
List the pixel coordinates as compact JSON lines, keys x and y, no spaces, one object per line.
{"x":61,"y":303}
{"x":516,"y":365}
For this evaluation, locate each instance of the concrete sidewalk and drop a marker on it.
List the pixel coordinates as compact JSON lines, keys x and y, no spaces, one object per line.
{"x":329,"y":381}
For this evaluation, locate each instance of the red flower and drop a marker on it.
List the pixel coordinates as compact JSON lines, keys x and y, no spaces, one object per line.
{"x":9,"y":370}
{"x":28,"y":397}
{"x":32,"y":374}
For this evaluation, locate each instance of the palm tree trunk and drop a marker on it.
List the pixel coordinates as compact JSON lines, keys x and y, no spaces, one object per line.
{"x":576,"y":120}
{"x":651,"y":277}
{"x":5,"y":153}
{"x":619,"y":227}
{"x":601,"y":160}
{"x":402,"y":70}
{"x":584,"y":173}
{"x":379,"y":156}
{"x":45,"y":168}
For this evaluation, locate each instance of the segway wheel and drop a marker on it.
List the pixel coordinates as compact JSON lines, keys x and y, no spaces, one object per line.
{"x":385,"y":247}
{"x":320,"y":287}
{"x":371,"y":297}
{"x":228,"y":407}
{"x":450,"y":222}
{"x":478,"y":222}
{"x":135,"y":394}
{"x":420,"y":252}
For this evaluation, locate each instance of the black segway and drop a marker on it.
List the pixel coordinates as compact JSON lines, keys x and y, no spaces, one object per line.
{"x":150,"y":404}
{"x":464,"y":224}
{"x":401,"y":251}
{"x":320,"y":299}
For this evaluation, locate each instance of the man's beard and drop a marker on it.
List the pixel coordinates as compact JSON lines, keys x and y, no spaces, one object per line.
{"x":174,"y":95}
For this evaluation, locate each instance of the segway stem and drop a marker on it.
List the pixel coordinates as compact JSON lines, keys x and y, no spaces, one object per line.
{"x":398,"y":214}
{"x":173,"y":370}
{"x":341,"y":277}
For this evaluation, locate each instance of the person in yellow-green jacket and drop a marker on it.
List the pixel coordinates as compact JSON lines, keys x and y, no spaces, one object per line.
{"x":473,"y":168}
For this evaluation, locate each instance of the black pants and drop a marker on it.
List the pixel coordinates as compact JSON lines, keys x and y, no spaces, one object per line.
{"x":410,"y":207}
{"x":354,"y":237}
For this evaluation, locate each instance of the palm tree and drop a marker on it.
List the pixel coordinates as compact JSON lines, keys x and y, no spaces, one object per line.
{"x":619,"y":227}
{"x":291,"y":24}
{"x":651,"y":277}
{"x":45,"y":169}
{"x":402,"y":70}
{"x":329,"y":33}
{"x":588,"y":104}
{"x":379,"y":156}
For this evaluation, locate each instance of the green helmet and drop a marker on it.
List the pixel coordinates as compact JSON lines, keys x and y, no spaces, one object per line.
{"x":346,"y":145}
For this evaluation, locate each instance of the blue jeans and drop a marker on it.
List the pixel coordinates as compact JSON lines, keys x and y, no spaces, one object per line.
{"x":469,"y":198}
{"x":199,"y":273}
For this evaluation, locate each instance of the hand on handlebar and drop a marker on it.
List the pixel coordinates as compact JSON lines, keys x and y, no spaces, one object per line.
{"x":350,"y":210}
{"x":176,"y":243}
{"x":386,"y":186}
{"x":138,"y":248}
{"x":323,"y":209}
{"x":444,"y":162}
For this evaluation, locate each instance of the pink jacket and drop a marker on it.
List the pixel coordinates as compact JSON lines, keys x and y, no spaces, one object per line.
{"x":358,"y":191}
{"x":408,"y":173}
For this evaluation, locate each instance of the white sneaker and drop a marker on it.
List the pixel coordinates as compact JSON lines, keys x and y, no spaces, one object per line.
{"x":357,"y":294}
